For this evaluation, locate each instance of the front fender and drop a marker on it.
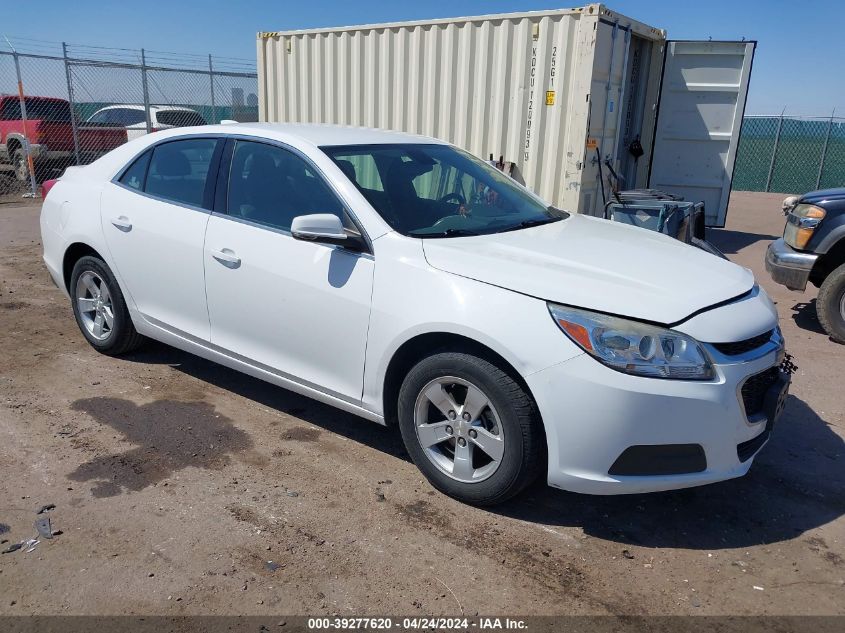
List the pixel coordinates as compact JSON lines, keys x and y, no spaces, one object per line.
{"x":410,"y":298}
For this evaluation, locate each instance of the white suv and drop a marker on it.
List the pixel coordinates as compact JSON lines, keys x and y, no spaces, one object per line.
{"x":401,"y":279}
{"x":134,"y":118}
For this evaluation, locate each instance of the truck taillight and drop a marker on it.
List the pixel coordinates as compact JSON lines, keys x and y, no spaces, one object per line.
{"x":41,"y":134}
{"x":46,"y":186}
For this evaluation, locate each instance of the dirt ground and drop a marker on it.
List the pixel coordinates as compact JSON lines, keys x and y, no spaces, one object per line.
{"x":185,"y":488}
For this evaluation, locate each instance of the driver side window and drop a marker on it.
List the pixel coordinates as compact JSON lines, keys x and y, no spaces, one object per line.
{"x":270,"y":185}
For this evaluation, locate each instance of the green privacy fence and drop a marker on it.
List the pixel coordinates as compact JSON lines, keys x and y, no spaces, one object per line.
{"x":790,"y":154}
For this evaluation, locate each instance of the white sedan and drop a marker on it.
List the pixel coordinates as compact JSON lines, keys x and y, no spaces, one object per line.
{"x":401,"y":279}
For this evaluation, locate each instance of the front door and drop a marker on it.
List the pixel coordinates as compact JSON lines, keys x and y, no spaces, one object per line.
{"x":298,"y":308}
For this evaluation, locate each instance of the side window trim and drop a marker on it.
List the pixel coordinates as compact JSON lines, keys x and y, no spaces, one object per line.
{"x":211,"y":170}
{"x":222,"y":193}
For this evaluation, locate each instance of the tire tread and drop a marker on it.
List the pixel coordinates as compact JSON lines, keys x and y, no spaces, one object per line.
{"x":827,"y":304}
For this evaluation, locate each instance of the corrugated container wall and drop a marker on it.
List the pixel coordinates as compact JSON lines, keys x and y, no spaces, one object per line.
{"x":541,"y":89}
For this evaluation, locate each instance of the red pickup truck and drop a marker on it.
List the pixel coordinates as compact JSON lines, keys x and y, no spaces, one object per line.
{"x":50,"y":134}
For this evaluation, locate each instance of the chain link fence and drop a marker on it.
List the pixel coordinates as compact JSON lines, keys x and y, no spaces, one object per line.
{"x":63,"y":105}
{"x":790,"y":154}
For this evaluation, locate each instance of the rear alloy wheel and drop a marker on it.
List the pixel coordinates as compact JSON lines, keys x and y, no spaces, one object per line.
{"x":99,"y":308}
{"x":830,"y":304}
{"x":470,"y":428}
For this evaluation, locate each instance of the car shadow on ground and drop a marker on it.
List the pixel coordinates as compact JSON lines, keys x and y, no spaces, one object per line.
{"x":277,"y":398}
{"x":797,"y":482}
{"x":731,"y":242}
{"x":805,"y":316}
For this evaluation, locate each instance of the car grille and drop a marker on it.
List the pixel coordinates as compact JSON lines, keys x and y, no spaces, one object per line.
{"x":741,"y":347}
{"x":754,"y":390}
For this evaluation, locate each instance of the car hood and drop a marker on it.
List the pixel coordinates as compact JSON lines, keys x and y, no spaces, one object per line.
{"x":824,"y":195}
{"x":596,"y":264}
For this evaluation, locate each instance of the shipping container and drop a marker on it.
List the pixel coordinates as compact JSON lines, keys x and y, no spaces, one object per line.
{"x":566,"y":96}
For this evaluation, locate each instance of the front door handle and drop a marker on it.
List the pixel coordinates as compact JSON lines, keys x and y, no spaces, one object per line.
{"x":122,"y":223}
{"x":227,"y":257}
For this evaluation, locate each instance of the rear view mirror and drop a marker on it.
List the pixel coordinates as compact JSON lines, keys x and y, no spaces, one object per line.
{"x":318,"y":227}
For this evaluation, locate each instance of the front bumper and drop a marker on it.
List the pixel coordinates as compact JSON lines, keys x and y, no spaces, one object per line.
{"x":593,"y":414}
{"x":789,"y":267}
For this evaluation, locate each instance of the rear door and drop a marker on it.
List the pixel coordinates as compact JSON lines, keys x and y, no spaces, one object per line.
{"x":702,"y":101}
{"x":154,"y":218}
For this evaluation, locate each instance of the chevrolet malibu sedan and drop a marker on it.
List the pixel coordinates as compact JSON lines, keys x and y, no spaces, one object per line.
{"x":399,"y":278}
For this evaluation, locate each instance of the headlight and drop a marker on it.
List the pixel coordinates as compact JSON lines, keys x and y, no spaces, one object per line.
{"x":633,"y":347}
{"x":801,"y":221}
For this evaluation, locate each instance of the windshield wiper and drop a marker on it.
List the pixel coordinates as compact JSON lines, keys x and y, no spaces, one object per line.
{"x":526,"y":224}
{"x":449,"y":233}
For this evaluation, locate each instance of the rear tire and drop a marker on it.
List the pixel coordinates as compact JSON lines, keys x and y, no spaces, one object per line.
{"x":830,"y":304}
{"x":100,"y":309}
{"x":486,"y":457}
{"x":20,"y":164}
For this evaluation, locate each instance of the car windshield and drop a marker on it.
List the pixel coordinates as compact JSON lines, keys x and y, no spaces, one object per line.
{"x":432,"y":190}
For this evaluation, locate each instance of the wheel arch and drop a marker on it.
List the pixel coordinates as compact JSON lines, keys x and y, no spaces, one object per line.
{"x":13,"y":143}
{"x":73,"y":253}
{"x":828,"y":262}
{"x":427,"y":344}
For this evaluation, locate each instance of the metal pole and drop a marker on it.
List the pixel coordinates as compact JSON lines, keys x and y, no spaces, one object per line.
{"x":824,"y":150}
{"x":26,"y":148}
{"x":146,"y":91}
{"x":73,"y":123}
{"x":774,"y":152}
{"x":211,"y":79}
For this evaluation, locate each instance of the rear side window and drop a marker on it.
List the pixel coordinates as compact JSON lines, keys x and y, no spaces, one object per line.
{"x":179,"y":118}
{"x":178,"y":170}
{"x":36,"y":109}
{"x":137,"y":172}
{"x":128,"y":116}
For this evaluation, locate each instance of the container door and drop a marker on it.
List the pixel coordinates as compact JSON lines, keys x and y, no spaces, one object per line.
{"x":702,"y":100}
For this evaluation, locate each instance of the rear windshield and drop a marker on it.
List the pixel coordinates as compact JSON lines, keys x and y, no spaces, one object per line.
{"x":180,"y":118}
{"x":36,"y":109}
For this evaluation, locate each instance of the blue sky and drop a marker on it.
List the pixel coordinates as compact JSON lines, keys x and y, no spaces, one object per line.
{"x":798,"y":65}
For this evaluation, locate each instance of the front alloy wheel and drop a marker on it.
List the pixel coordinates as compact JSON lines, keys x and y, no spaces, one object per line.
{"x":465,"y":441}
{"x":471,"y":427}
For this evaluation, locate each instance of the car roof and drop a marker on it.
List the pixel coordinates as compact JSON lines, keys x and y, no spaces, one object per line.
{"x":320,"y":135}
{"x":153,"y":108}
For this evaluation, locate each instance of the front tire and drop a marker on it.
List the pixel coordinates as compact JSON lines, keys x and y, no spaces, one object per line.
{"x":830,"y":304}
{"x":472,"y":430}
{"x":100,"y":310}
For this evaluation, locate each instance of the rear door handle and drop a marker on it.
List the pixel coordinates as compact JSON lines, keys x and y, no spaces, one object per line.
{"x":227,"y":257}
{"x":122,"y":223}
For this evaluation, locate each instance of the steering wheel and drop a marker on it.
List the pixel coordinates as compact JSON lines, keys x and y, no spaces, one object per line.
{"x":454,"y":196}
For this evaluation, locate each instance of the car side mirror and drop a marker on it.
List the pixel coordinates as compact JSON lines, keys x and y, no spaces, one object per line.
{"x":325,"y":228}
{"x":318,"y":227}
